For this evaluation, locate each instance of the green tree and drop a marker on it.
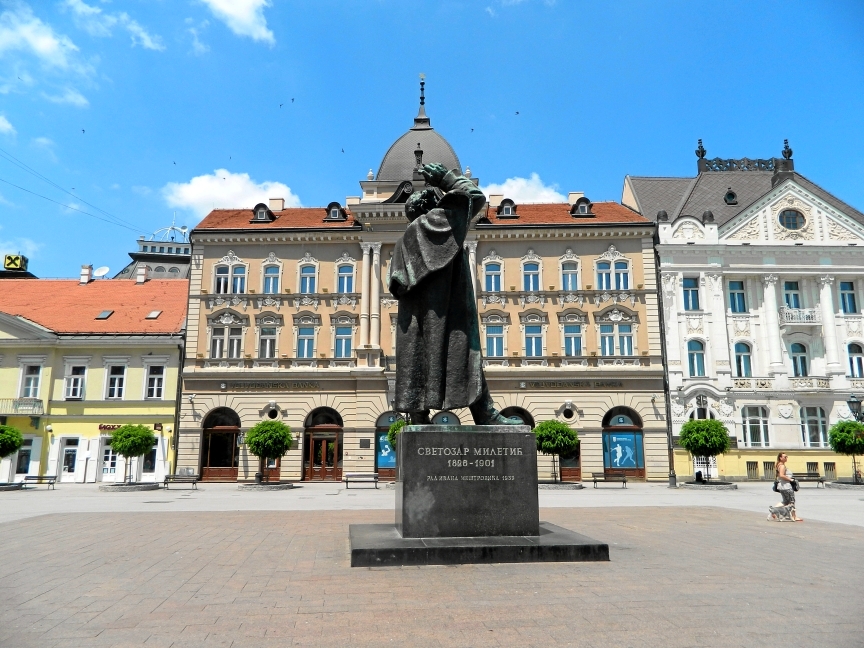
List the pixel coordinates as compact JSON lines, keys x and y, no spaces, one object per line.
{"x":394,"y":431}
{"x":556,"y":438}
{"x":704,"y":438}
{"x":269,"y":440}
{"x":847,"y":438}
{"x":132,"y":441}
{"x":10,"y":440}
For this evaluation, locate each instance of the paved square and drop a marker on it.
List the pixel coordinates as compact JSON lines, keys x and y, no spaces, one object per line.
{"x":678,"y":576}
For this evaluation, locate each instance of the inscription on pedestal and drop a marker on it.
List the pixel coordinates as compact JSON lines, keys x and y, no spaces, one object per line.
{"x":467,"y":481}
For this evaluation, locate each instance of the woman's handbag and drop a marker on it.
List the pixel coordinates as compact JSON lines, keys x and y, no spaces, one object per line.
{"x":776,"y":483}
{"x":795,"y":485}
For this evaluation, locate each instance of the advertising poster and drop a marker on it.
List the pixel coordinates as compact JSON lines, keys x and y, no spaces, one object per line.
{"x":386,"y":457}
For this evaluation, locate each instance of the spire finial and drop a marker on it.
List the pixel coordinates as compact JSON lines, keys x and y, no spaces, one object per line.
{"x":700,"y":151}
{"x":421,"y":121}
{"x":787,"y":152}
{"x":422,"y":89}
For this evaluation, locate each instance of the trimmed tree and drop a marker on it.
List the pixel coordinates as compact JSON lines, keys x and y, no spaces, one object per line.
{"x":556,"y":438}
{"x":847,"y":438}
{"x":704,"y":438}
{"x":394,"y":431}
{"x":10,"y":440}
{"x":132,"y":441}
{"x":269,"y":440}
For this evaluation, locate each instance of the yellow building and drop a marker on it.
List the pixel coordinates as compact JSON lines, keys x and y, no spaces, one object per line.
{"x":79,"y":358}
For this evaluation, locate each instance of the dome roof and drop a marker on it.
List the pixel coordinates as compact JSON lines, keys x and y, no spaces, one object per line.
{"x":399,"y":162}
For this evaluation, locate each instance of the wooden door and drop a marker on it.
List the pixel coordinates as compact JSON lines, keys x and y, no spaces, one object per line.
{"x":220,"y":455}
{"x":272,"y":472}
{"x":323,"y":456}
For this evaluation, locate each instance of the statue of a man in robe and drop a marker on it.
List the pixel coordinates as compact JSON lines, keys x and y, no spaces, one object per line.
{"x":438,"y":361}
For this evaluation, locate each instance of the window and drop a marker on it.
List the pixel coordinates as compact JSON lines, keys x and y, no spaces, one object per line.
{"x":814,"y":427}
{"x":155,"y":381}
{"x":570,"y":276}
{"x":494,"y":341}
{"x":743,"y":368}
{"x":856,"y":361}
{"x":30,"y":386}
{"x":622,"y":275}
{"x":343,"y":341}
{"x":116,"y":381}
{"x":22,"y":466}
{"x":531,"y":276}
{"x":696,"y":358}
{"x":346,"y":279}
{"x":104,"y":315}
{"x":174,"y":271}
{"x":335,"y":213}
{"x":75,"y":383}
{"x":791,"y":219}
{"x":604,"y":276}
{"x":755,"y":427}
{"x":153,"y":314}
{"x":737,"y":300}
{"x":572,"y":340}
{"x":267,"y":343}
{"x":847,"y":297}
{"x":217,"y":343}
{"x":493,"y":277}
{"x":306,"y":342}
{"x":109,"y":460}
{"x":691,"y":293}
{"x":506,"y":210}
{"x":307,"y":280}
{"x":799,"y":360}
{"x":226,"y":339}
{"x":235,"y":342}
{"x":159,"y":269}
{"x":149,"y":463}
{"x":791,"y":294}
{"x":607,"y":339}
{"x":221,"y":287}
{"x":533,"y":341}
{"x":238,"y":280}
{"x":261,"y":214}
{"x":271,"y":280}
{"x":625,"y":339}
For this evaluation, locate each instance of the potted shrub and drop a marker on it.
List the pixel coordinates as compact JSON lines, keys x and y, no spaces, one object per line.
{"x":269,"y":440}
{"x":132,"y":441}
{"x":847,"y":438}
{"x":11,"y":440}
{"x":704,"y":438}
{"x":556,"y":438}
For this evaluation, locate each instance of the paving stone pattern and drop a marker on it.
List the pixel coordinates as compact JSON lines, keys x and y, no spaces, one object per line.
{"x":677,"y":577}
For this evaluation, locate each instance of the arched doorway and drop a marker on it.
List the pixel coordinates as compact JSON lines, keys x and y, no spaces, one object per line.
{"x":220,"y":450}
{"x":520,"y":413}
{"x":623,"y":450}
{"x":385,"y":454}
{"x":322,"y":454}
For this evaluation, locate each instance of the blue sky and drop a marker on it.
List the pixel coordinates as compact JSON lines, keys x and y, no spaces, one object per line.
{"x":142,"y":108}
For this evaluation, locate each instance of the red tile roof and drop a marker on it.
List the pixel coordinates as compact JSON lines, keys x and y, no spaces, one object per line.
{"x":605,"y":213}
{"x":292,"y":217}
{"x":65,"y":306}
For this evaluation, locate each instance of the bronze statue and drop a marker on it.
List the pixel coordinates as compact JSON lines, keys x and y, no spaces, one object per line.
{"x":438,"y":361}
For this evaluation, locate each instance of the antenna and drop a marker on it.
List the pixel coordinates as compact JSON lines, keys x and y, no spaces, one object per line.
{"x":101,"y":271}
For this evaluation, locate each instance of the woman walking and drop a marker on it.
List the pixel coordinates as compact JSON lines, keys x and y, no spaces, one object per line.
{"x":783,"y":478}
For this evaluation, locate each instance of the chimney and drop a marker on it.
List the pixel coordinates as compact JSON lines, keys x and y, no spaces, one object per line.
{"x":141,"y":274}
{"x":573,"y":196}
{"x":495,"y":199}
{"x":86,"y":274}
{"x":277,"y":204}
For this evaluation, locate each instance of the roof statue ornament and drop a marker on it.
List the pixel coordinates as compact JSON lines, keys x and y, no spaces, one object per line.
{"x":787,"y":152}
{"x":700,"y":151}
{"x":418,"y":156}
{"x":370,"y":175}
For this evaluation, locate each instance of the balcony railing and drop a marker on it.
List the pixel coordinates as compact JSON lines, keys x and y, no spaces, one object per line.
{"x":810,"y":383}
{"x":22,"y":406}
{"x":753,"y":383}
{"x":800,"y":315}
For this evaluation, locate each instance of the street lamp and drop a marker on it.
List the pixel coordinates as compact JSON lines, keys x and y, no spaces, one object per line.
{"x":854,"y":405}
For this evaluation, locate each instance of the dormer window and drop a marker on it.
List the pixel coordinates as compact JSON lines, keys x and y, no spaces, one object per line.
{"x":335,"y":212}
{"x":507,"y":209}
{"x":731,"y":198}
{"x":261,"y":214}
{"x":581,"y":208}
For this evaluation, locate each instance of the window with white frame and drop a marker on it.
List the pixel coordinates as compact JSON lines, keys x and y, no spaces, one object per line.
{"x":604,"y":275}
{"x":494,"y":340}
{"x":622,"y":275}
{"x":217,"y":342}
{"x":238,"y":279}
{"x":345,"y":279}
{"x":109,"y":459}
{"x":799,"y":360}
{"x":155,"y":382}
{"x":814,"y":427}
{"x":116,"y":381}
{"x":531,"y":277}
{"x":226,"y":341}
{"x":616,"y":329}
{"x":737,"y":297}
{"x":74,"y":382}
{"x":533,"y":340}
{"x":607,"y":339}
{"x":235,"y":341}
{"x":31,"y":379}
{"x":570,"y":276}
{"x":625,"y":339}
{"x":306,"y":342}
{"x":743,"y":360}
{"x":696,"y":358}
{"x":307,"y":279}
{"x":493,"y":277}
{"x":222,"y":276}
{"x":691,"y":293}
{"x":856,"y":361}
{"x":344,"y":335}
{"x":271,"y":280}
{"x":267,"y":342}
{"x":847,"y":297}
{"x":755,"y":422}
{"x":572,"y":340}
{"x":791,"y":294}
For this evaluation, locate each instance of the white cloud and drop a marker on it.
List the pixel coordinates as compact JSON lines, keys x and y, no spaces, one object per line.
{"x":19,"y":245}
{"x":226,"y":190}
{"x":21,"y":31}
{"x":69,"y":96}
{"x":526,"y":190}
{"x":142,"y":190}
{"x":97,"y":23}
{"x":198,"y":47}
{"x":46,"y":145}
{"x":5,"y":127}
{"x":243,"y":17}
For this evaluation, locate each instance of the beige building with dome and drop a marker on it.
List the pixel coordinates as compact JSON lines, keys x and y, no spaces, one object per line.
{"x":290,"y":319}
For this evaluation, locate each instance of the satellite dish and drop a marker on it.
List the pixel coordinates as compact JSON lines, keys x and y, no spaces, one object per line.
{"x":101,"y":272}
{"x":184,"y":228}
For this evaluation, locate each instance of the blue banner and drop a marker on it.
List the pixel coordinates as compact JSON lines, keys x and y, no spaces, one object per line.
{"x":623,"y":450}
{"x":386,"y":456}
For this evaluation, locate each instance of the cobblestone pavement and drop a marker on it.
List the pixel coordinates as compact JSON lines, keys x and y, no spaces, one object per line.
{"x":679,"y":576}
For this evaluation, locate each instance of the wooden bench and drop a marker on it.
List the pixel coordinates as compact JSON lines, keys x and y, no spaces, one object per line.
{"x":810,"y":477}
{"x":349,"y":477}
{"x":609,"y":477}
{"x":182,"y":479}
{"x":41,"y":479}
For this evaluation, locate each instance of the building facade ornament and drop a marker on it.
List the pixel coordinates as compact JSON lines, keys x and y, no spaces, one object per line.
{"x":346,"y":258}
{"x":234,"y":302}
{"x":785,"y":411}
{"x":611,"y":254}
{"x":836,"y":232}
{"x":808,"y":232}
{"x":769,"y":279}
{"x":532,"y":257}
{"x":306,"y":302}
{"x":826,"y":280}
{"x":230,"y":259}
{"x":750,"y":231}
{"x":688,"y":231}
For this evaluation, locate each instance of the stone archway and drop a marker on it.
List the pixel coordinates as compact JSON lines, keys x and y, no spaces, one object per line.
{"x":220,"y":450}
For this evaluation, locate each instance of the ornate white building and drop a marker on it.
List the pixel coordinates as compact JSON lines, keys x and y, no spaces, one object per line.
{"x":761,"y":278}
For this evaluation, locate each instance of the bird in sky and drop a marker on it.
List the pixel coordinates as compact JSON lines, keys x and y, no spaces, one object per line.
{"x":472,"y":130}
{"x":292,"y":99}
{"x":343,"y":150}
{"x":82,"y":130}
{"x":280,"y":105}
{"x":175,"y":163}
{"x":517,"y":112}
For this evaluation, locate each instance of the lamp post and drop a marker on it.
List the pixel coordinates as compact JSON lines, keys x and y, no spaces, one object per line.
{"x":854,"y":405}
